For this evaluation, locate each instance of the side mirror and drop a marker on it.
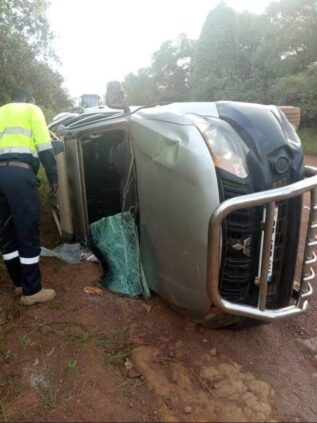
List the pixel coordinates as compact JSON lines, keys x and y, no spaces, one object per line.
{"x":115,"y":96}
{"x":57,"y":144}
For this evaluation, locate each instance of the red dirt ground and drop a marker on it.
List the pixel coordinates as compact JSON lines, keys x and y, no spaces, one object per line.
{"x":109,"y":358}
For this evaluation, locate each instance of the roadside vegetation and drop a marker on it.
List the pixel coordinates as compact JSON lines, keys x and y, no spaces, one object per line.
{"x":308,"y":137}
{"x":26,"y":55}
{"x":269,"y":58}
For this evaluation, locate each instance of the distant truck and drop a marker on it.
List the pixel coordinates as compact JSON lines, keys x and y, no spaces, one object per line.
{"x":217,"y":190}
{"x":89,"y":100}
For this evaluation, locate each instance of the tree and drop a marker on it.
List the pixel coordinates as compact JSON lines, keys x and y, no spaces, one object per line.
{"x":293,"y":33}
{"x":268,"y":58}
{"x":299,"y":89}
{"x":169,"y":76}
{"x":211,"y":60}
{"x":140,"y":87}
{"x":225,"y":53}
{"x":172,"y":69}
{"x":25,"y":54}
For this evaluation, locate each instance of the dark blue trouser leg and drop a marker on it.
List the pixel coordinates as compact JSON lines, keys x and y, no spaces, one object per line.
{"x":8,"y":242}
{"x":20,"y":188}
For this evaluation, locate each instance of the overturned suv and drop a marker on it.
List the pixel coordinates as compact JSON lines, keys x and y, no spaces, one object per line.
{"x":217,"y":193}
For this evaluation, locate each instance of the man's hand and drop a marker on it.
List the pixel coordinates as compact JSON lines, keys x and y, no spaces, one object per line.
{"x":53,"y":190}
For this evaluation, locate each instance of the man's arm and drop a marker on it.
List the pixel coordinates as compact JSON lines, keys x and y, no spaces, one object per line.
{"x":48,"y":161}
{"x":44,"y":147}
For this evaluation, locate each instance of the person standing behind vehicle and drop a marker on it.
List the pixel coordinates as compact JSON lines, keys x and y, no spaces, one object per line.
{"x":24,"y":139}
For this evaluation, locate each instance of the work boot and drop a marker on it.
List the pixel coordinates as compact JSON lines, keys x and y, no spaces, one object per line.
{"x":18,"y":290}
{"x":42,"y":296}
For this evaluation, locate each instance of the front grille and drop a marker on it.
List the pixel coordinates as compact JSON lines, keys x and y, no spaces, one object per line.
{"x":240,"y":239}
{"x":279,"y":249}
{"x":239,"y":266}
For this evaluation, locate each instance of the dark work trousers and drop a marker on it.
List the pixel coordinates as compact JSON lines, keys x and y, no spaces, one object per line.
{"x":20,"y":227}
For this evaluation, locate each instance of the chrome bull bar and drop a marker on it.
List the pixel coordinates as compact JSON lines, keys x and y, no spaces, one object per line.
{"x":267,"y":199}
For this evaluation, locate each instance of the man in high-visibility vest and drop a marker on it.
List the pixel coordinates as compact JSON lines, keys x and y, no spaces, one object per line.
{"x":24,"y":139}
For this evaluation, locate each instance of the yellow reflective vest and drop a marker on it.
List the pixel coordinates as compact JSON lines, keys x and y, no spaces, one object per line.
{"x":23,"y":131}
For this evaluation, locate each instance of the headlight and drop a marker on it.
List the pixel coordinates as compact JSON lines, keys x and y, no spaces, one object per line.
{"x":225,"y":145}
{"x":289,"y":130}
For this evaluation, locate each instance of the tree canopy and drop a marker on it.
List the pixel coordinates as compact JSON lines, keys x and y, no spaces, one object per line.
{"x":169,"y":76}
{"x":268,"y":58}
{"x":26,"y":55}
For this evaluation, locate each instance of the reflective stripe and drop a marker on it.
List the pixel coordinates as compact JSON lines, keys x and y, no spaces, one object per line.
{"x":18,"y":150}
{"x":16,"y":131}
{"x":31,"y":260}
{"x":10,"y":256}
{"x":44,"y":146}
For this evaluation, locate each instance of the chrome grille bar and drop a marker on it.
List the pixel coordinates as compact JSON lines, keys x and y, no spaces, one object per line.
{"x":308,"y":273}
{"x":265,"y":198}
{"x":266,"y":254}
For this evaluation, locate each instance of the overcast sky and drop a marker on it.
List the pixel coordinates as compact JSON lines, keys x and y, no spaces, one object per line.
{"x":102,"y":40}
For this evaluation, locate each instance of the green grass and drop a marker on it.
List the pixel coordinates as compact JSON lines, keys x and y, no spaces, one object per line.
{"x":116,"y":357}
{"x":82,"y":337}
{"x":24,"y":340}
{"x":72,"y":366}
{"x":308,"y":137}
{"x":49,"y":400}
{"x":5,"y":353}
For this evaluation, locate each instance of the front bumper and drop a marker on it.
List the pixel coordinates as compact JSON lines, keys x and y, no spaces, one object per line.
{"x":267,"y":199}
